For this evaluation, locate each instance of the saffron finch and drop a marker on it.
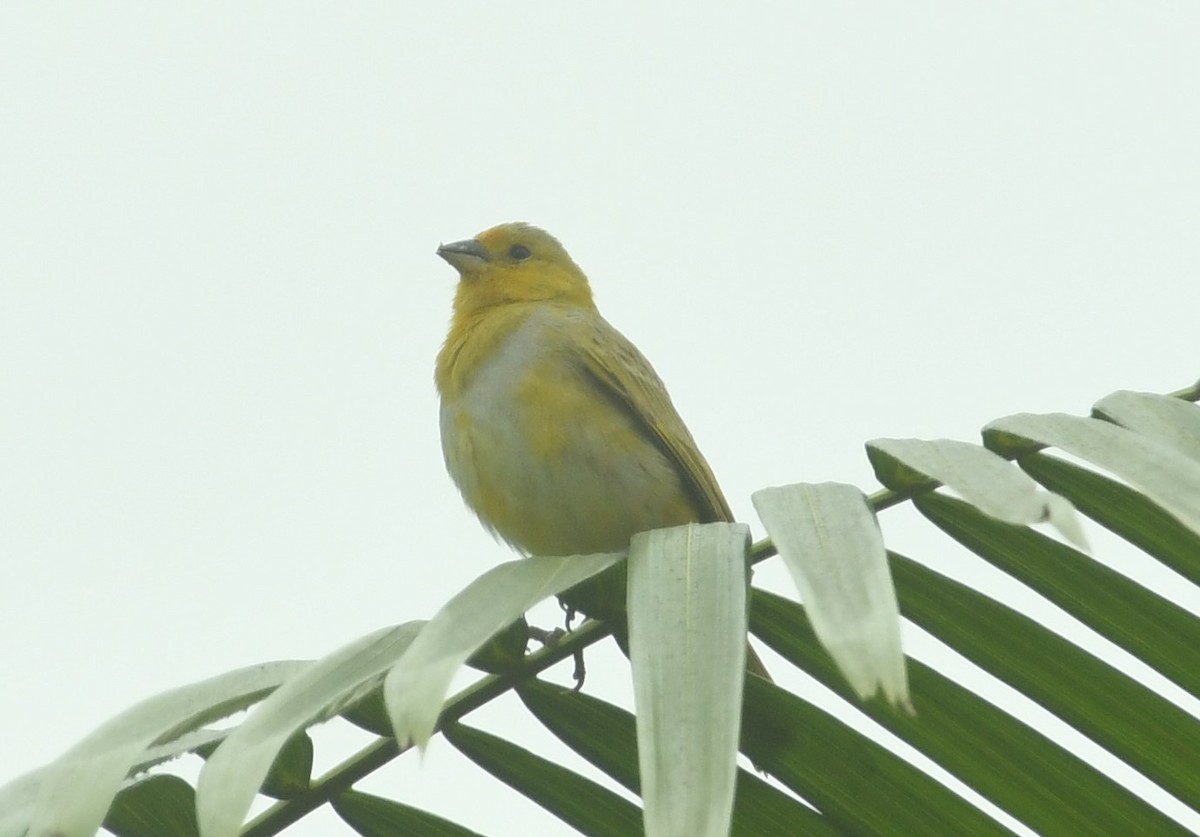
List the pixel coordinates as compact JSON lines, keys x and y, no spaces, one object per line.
{"x":556,"y":429}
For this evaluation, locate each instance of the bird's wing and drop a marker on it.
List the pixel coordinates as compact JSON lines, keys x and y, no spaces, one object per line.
{"x":625,"y":375}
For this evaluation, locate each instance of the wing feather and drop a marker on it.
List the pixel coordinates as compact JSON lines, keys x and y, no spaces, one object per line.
{"x":629,"y":380}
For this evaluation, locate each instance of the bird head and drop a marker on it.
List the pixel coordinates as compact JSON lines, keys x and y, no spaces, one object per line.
{"x":515,"y":262}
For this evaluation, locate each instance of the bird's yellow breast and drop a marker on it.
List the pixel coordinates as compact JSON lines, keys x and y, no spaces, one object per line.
{"x":540,"y":452}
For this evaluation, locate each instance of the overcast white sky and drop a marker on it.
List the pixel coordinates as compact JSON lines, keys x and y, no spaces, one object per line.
{"x":220,"y":305}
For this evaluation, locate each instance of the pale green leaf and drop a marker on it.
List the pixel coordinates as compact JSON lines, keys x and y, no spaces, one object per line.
{"x":1123,"y":510}
{"x":197,"y":741}
{"x":16,"y":802}
{"x":990,"y":483}
{"x":76,"y":790}
{"x":417,"y":685}
{"x":1172,"y":421}
{"x":1171,"y":480}
{"x":687,"y":644}
{"x":829,"y":539}
{"x":234,"y":773}
{"x":18,"y":796}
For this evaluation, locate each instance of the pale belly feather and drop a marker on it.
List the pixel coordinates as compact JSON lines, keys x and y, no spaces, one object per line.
{"x":549,"y":463}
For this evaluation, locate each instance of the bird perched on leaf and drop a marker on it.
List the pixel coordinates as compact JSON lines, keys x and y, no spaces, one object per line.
{"x":555,"y":428}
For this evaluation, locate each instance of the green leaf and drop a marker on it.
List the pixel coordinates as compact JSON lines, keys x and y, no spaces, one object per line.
{"x":605,"y":735}
{"x":369,"y":712}
{"x":858,"y":785}
{"x":992,"y":484}
{"x":687,"y":642}
{"x":161,"y":806}
{"x":1034,"y":779}
{"x":829,"y":538}
{"x":291,"y":772}
{"x":232,"y":777}
{"x":581,"y":803}
{"x":1122,"y":510}
{"x":1162,"y":634}
{"x":1172,"y":421}
{"x":1135,"y":724}
{"x":417,"y":685}
{"x":374,"y":816}
{"x":504,"y":651}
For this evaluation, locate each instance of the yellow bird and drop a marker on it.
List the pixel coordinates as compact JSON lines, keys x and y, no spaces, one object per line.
{"x":556,"y":429}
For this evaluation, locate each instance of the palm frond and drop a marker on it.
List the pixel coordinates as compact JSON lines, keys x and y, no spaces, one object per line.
{"x":1141,"y":481}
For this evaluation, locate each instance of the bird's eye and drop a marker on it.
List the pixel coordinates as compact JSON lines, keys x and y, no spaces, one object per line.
{"x":519,"y":252}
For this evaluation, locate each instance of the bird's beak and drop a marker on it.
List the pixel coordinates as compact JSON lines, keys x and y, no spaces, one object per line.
{"x":464,"y":256}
